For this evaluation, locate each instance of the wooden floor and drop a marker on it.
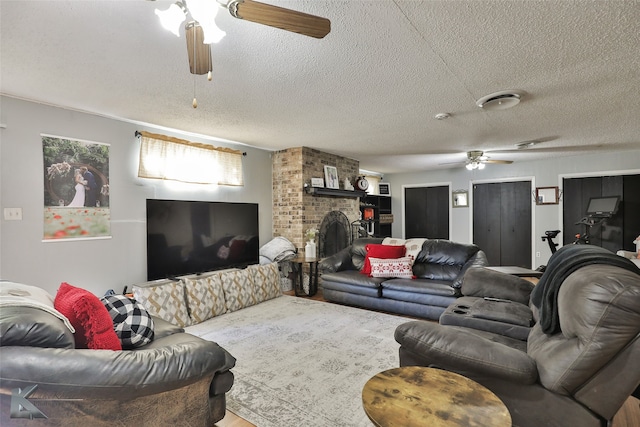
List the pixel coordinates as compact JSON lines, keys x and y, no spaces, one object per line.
{"x":627,"y":416}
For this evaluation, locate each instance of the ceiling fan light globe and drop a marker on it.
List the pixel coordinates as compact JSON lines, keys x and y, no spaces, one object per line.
{"x":469,"y":166}
{"x":212,"y":34}
{"x":172,"y":18}
{"x":481,"y":166}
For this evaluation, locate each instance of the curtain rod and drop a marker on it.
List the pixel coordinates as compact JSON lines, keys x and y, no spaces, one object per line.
{"x":138,"y":135}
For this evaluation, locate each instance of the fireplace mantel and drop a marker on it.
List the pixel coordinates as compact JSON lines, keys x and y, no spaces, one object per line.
{"x":322,"y":191}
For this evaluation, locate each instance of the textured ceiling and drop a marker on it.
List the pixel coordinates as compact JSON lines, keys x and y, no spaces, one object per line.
{"x":368,"y":90}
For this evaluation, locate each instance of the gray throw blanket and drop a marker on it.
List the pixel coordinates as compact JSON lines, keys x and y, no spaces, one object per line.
{"x":561,"y":264}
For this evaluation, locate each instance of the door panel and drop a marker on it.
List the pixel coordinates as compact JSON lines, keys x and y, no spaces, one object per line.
{"x":502,"y":222}
{"x":426,"y":212}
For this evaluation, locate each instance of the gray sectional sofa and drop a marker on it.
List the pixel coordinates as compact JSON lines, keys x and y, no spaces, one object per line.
{"x":439,"y":266}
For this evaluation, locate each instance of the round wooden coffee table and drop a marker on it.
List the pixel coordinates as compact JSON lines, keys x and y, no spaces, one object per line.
{"x":417,"y":396}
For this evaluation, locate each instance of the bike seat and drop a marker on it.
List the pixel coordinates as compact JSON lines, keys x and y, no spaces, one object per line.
{"x":552,"y":233}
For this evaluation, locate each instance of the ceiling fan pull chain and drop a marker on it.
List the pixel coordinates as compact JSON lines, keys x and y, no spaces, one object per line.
{"x":193,"y":70}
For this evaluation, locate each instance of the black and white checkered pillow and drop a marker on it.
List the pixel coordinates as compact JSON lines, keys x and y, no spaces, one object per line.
{"x":132,"y":323}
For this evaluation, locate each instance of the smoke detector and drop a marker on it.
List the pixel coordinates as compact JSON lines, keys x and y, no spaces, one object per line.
{"x":500,"y":100}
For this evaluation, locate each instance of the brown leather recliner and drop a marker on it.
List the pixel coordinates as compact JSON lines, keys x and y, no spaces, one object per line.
{"x":581,"y":375}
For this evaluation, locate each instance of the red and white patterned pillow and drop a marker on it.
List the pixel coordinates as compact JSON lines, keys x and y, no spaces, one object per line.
{"x":395,"y":267}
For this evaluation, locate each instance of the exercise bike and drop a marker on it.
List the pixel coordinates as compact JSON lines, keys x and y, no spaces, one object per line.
{"x":549,"y":235}
{"x":588,"y":222}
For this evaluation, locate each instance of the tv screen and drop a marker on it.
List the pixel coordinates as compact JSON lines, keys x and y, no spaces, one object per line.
{"x":603,"y":205}
{"x":186,"y":237}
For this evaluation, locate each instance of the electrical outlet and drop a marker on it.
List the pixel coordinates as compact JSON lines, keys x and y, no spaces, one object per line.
{"x":537,"y":254}
{"x":13,"y":214}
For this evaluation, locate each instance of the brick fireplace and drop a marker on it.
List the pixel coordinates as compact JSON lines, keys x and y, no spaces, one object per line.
{"x":295,"y":211}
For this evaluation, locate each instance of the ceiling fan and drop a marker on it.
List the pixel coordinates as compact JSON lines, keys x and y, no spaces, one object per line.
{"x":476,"y":160}
{"x":202,"y":30}
{"x":204,"y":12}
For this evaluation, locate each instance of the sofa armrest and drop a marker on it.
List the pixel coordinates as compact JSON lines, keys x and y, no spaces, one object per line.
{"x":337,"y":262}
{"x":162,"y":328}
{"x":483,"y":282}
{"x":479,"y":259}
{"x":460,"y":350}
{"x":165,"y":364}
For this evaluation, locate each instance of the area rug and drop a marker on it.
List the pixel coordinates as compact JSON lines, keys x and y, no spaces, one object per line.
{"x":303,"y":363}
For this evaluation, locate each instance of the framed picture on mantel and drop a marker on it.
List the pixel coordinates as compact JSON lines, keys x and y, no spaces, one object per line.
{"x":331,"y":177}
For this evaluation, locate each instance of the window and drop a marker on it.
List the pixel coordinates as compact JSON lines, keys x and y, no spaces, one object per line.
{"x":164,"y":157}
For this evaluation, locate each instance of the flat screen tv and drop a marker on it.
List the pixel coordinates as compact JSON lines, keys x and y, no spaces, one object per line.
{"x":187,"y":237}
{"x":603,"y":206}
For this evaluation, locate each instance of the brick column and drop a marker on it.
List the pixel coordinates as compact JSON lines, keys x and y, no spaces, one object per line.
{"x":295,"y":211}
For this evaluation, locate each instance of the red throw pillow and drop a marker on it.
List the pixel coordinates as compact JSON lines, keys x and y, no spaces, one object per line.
{"x":383,"y":252}
{"x":89,"y":317}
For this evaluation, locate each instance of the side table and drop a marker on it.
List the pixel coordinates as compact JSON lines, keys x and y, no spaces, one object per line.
{"x":298,"y":276}
{"x":415,"y":396}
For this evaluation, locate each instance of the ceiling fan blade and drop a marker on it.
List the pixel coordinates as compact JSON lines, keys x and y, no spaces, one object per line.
{"x":199,"y":53}
{"x":452,"y":163}
{"x":285,"y":19}
{"x":499,"y":162}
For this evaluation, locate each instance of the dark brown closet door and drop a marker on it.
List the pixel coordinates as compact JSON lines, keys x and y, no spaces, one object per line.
{"x":426,"y":211}
{"x":502,"y":222}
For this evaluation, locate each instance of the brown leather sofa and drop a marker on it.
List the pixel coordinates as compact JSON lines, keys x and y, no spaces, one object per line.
{"x":580,"y":374}
{"x":177,"y":379}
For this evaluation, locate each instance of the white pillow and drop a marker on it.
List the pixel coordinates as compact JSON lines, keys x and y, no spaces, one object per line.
{"x":395,"y":267}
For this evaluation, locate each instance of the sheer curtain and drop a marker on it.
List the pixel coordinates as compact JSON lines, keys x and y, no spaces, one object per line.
{"x":165,"y":157}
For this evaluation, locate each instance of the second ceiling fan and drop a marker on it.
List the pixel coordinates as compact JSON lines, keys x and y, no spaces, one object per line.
{"x":476,"y":160}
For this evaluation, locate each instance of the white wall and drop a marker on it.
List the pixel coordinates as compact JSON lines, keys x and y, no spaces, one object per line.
{"x":547,"y":173}
{"x":96,"y":265}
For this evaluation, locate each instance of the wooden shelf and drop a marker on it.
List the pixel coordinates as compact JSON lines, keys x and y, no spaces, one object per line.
{"x":321,"y":191}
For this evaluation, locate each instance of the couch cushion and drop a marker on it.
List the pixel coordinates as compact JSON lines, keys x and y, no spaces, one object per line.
{"x":382,"y":252}
{"x":164,"y":299}
{"x":420,"y":286}
{"x":395,"y":267}
{"x":352,"y":277}
{"x":89,"y":317}
{"x":132,"y":323}
{"x":442,"y":259}
{"x":266,"y":281}
{"x":32,"y":327}
{"x":466,"y":350}
{"x":508,"y":318}
{"x":358,"y":251}
{"x":481,"y":282}
{"x":28,"y":318}
{"x":238,"y":289}
{"x":205,"y":297}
